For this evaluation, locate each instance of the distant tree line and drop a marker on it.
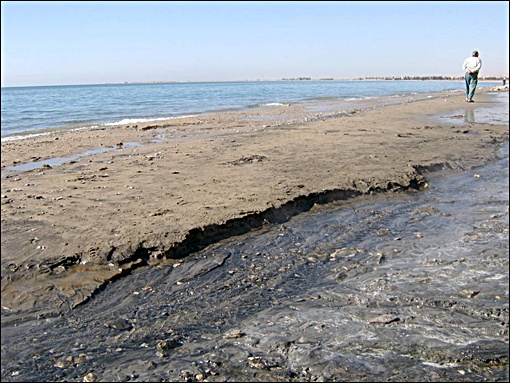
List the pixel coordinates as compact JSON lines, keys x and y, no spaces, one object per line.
{"x":490,"y":78}
{"x":414,"y":78}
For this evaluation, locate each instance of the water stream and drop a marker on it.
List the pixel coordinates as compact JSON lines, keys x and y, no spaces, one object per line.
{"x":401,"y":287}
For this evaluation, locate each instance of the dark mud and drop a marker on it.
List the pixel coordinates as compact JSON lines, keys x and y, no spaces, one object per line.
{"x":407,"y":287}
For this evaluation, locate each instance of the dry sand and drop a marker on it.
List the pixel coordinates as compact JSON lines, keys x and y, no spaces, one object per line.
{"x":69,"y":228}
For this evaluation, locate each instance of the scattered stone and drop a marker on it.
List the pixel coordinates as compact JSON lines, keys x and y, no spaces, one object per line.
{"x":233,"y":334}
{"x":384,"y":319}
{"x":90,"y":377}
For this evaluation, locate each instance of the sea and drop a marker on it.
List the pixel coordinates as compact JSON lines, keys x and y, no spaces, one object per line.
{"x":34,"y":110}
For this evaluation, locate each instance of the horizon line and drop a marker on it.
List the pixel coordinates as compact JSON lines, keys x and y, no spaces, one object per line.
{"x":300,"y":78}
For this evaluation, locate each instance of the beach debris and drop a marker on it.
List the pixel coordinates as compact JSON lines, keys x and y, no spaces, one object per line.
{"x":345,"y":252}
{"x":426,"y":211}
{"x":90,"y":377}
{"x":471,"y":293}
{"x":499,"y":88}
{"x":164,"y":346}
{"x":234,"y":334}
{"x":381,"y":258}
{"x":248,"y":159}
{"x":120,"y":324}
{"x":384,"y":319}
{"x":257,"y":362}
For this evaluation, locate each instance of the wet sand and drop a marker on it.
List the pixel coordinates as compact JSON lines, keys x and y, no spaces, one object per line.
{"x":163,"y":191}
{"x":405,"y":286}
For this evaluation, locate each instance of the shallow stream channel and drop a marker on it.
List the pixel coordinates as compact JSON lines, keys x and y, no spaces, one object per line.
{"x":404,"y":287}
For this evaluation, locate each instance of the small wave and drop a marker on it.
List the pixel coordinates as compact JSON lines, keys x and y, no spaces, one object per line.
{"x":126,"y":121}
{"x":359,"y":98}
{"x":259,"y":105}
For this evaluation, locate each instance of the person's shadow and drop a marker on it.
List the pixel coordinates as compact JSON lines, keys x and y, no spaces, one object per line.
{"x":469,"y":115}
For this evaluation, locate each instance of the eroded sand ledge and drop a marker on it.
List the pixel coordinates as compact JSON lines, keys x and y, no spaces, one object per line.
{"x":67,"y":229}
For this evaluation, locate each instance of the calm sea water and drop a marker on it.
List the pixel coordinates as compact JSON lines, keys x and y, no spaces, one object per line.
{"x":27,"y":110}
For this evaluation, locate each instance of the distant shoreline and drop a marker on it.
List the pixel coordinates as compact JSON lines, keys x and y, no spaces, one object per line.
{"x":397,"y":78}
{"x":299,"y":79}
{"x":266,"y":93}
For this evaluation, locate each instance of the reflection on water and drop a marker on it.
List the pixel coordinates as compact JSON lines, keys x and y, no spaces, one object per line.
{"x":498,"y":113}
{"x":469,"y":115}
{"x":62,"y":160}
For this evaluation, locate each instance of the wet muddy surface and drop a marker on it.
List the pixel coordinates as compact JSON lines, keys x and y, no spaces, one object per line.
{"x":285,"y":115}
{"x":497,"y":115}
{"x":407,"y":287}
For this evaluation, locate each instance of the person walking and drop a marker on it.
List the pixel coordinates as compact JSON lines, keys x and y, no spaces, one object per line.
{"x":471,"y":68}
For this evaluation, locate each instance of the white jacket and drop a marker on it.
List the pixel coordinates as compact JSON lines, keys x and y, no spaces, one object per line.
{"x":472,"y":64}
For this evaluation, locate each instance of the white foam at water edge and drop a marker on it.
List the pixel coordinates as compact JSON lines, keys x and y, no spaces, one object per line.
{"x":126,"y":121}
{"x":15,"y":138}
{"x":22,"y":137}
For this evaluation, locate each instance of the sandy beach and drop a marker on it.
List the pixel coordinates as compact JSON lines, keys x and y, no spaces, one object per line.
{"x":161,"y":191}
{"x":363,"y":241}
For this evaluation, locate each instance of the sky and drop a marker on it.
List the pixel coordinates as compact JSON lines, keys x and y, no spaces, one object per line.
{"x":96,"y":42}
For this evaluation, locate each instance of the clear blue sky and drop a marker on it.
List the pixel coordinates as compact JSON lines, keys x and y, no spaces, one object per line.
{"x":94,"y":42}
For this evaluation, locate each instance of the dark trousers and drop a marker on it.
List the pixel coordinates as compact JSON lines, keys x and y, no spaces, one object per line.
{"x":471,"y":83}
